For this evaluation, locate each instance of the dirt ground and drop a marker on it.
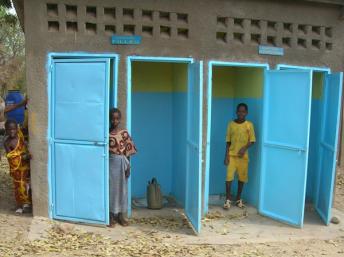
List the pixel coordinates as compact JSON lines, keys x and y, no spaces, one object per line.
{"x":165,"y":235}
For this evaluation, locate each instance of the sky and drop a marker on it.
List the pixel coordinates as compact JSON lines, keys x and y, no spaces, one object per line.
{"x":12,"y":11}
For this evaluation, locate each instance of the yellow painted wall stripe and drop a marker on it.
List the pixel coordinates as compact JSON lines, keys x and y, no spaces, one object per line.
{"x":238,"y":82}
{"x":159,"y":77}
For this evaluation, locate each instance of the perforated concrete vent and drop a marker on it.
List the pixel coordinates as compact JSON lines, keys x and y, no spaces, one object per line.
{"x":52,"y":10}
{"x":147,"y":15}
{"x":91,"y":28}
{"x":110,"y":30}
{"x":221,"y":37}
{"x":109,"y":13}
{"x":164,"y":16}
{"x":129,"y":29}
{"x":182,"y":17}
{"x":71,"y":11}
{"x":271,"y":40}
{"x":182,"y":33}
{"x":255,"y":39}
{"x":72,"y":26}
{"x":271,"y":25}
{"x":147,"y":31}
{"x":128,"y":13}
{"x":254,"y":32}
{"x":286,"y":42}
{"x":109,"y":20}
{"x":165,"y":31}
{"x":91,"y":12}
{"x":53,"y":26}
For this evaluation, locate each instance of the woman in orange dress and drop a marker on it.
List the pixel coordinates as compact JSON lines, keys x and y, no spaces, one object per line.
{"x":19,"y":161}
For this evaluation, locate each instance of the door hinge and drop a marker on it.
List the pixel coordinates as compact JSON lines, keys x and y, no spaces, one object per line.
{"x":51,"y":208}
{"x":50,"y":141}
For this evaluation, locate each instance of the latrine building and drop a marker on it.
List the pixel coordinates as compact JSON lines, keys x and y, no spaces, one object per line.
{"x":177,"y":69}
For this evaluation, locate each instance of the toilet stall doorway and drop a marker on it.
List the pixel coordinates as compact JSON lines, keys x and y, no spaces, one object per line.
{"x":164,"y":116}
{"x":229,"y":84}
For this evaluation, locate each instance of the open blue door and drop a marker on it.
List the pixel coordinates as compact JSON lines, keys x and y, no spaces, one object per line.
{"x":286,"y":122}
{"x":328,"y":144}
{"x":193,"y":198}
{"x":79,"y":139}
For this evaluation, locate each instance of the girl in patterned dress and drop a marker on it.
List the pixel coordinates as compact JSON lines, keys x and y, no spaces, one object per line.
{"x":121,"y":147}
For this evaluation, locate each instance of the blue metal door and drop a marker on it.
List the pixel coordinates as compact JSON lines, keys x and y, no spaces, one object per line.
{"x":193,"y":197}
{"x":286,"y":122}
{"x":328,"y":144}
{"x":79,"y":139}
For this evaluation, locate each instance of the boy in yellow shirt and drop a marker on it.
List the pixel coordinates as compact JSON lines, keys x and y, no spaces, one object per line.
{"x":240,"y":136}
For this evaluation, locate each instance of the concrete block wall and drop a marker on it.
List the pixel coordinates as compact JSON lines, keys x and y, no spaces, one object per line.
{"x":227,"y":30}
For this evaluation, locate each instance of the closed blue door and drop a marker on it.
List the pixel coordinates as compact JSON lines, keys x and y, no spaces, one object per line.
{"x":286,"y":122}
{"x":328,"y":144}
{"x":79,"y":140}
{"x":193,"y":198}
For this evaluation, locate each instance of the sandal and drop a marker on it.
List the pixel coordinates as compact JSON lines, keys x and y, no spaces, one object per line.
{"x":227,"y":204}
{"x":19,"y":211}
{"x":27,"y":208}
{"x":240,"y":204}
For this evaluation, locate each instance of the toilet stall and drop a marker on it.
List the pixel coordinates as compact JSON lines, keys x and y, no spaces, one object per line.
{"x":293,"y":160}
{"x":164,"y":116}
{"x":231,"y":84}
{"x":165,"y":120}
{"x":295,"y":111}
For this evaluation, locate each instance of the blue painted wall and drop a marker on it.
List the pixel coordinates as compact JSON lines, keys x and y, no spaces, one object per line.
{"x":179,"y":116}
{"x":159,"y":109}
{"x":152,"y":132}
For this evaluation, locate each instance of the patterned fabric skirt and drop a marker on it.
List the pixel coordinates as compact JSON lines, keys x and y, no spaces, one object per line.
{"x":118,"y":184}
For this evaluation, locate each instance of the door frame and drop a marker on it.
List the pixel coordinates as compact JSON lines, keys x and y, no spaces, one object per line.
{"x":326,"y":71}
{"x":133,"y":58}
{"x":49,"y":68}
{"x":264,"y":66}
{"x":312,"y":68}
{"x":335,"y":150}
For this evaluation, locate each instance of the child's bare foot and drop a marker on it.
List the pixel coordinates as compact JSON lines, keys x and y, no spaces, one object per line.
{"x":112,"y":221}
{"x":112,"y":224}
{"x":122,"y":221}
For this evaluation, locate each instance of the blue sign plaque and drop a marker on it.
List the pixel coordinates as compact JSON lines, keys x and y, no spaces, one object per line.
{"x":125,"y":40}
{"x":271,"y":50}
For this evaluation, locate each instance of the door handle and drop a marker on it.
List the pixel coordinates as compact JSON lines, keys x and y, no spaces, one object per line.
{"x":285,"y":147}
{"x":99,"y":143}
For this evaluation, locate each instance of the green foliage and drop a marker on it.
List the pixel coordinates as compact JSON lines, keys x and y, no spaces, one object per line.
{"x":6,"y":3}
